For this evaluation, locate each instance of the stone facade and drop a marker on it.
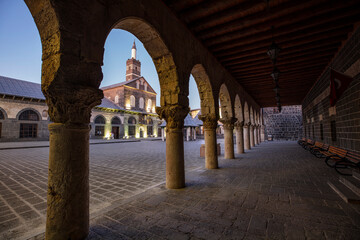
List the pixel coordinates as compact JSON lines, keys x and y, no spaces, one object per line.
{"x":286,"y":125}
{"x":338,"y":125}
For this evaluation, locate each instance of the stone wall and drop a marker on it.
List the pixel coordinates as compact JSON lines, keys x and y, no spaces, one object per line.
{"x":338,"y":125}
{"x":286,"y":125}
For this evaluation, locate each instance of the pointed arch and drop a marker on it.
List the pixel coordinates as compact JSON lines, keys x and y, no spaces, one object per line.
{"x":238,"y":109}
{"x":207,"y":101}
{"x":225,"y":102}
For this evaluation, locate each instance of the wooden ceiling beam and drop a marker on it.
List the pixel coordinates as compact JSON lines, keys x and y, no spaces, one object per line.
{"x":254,"y":52}
{"x":264,"y":58}
{"x":318,"y":23}
{"x":271,"y":17}
{"x":291,"y":41}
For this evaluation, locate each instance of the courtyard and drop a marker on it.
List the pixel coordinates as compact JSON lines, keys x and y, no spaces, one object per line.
{"x":277,"y":190}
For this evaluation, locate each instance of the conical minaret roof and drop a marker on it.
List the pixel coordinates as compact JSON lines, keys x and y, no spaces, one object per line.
{"x":134,"y":45}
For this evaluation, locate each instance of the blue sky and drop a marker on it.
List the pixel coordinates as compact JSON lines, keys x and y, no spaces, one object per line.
{"x":20,"y":51}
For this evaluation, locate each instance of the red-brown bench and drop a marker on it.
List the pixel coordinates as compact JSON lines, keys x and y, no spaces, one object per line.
{"x":317,"y":151}
{"x":333,"y":155}
{"x":348,"y":164}
{"x":317,"y":145}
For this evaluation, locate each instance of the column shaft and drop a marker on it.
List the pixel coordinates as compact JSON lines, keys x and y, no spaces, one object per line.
{"x":229,"y":143}
{"x":252,"y":142}
{"x":68,"y":182}
{"x":175,"y":172}
{"x":211,"y":158}
{"x":247,"y":137}
{"x":239,"y":126}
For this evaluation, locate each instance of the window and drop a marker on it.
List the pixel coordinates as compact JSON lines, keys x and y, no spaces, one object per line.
{"x":99,"y":130}
{"x":29,"y":115}
{"x":116,"y":99}
{"x":149,"y":121}
{"x":333,"y":130}
{"x":149,"y":130}
{"x":321,"y":131}
{"x":141,"y":103}
{"x":131,"y":130}
{"x":137,"y":84}
{"x":2,"y":115}
{"x":132,"y":101}
{"x":145,"y":86}
{"x":131,"y":120}
{"x":28,"y":130}
{"x":99,"y":120}
{"x":142,"y":82}
{"x":116,"y":121}
{"x":149,"y":105}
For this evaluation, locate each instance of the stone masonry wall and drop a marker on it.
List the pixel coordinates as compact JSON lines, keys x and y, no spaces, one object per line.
{"x":338,"y":125}
{"x":286,"y":125}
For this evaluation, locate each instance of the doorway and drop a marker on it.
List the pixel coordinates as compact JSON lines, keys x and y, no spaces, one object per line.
{"x":115,"y":132}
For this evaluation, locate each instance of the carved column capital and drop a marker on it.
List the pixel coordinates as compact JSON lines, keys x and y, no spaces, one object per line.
{"x":174,"y":115}
{"x":209,"y":121}
{"x":247,"y":125}
{"x":228,"y":123}
{"x":72,"y":104}
{"x":239,"y":125}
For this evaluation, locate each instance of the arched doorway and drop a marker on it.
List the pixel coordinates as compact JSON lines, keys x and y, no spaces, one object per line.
{"x":115,"y":127}
{"x":28,"y":120}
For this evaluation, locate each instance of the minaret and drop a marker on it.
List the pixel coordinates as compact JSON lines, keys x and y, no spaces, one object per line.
{"x":133,"y":66}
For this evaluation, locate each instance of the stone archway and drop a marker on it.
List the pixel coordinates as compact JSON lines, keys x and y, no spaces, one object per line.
{"x":209,"y":114}
{"x":228,"y":120}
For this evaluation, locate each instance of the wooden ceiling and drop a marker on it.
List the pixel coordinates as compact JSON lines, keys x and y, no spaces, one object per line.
{"x":239,"y":32}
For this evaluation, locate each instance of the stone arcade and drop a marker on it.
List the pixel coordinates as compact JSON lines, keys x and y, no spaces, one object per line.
{"x":73,"y":34}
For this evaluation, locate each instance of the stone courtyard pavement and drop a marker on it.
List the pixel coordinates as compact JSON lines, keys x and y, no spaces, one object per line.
{"x":277,"y":190}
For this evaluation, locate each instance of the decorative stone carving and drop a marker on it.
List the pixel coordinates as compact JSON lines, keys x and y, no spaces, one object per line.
{"x":239,"y":125}
{"x":228,"y":123}
{"x":72,"y":104}
{"x":174,"y":115}
{"x":209,"y":121}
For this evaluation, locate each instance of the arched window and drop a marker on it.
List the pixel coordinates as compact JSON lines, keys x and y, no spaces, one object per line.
{"x":116,"y":99}
{"x":131,"y":127}
{"x":29,"y":115}
{"x":131,"y":120}
{"x":132,"y":101}
{"x":99,"y":120}
{"x":149,"y":105}
{"x":28,"y":130}
{"x":116,"y":121}
{"x":137,"y":84}
{"x":99,"y":126}
{"x":141,"y":103}
{"x":145,"y":86}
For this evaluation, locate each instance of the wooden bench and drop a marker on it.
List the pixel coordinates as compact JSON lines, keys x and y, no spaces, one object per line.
{"x":317,"y":151}
{"x":301,"y":141}
{"x":317,"y":145}
{"x":308,"y":143}
{"x":349,"y":163}
{"x":333,"y":155}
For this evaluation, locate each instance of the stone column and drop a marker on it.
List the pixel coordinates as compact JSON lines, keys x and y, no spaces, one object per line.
{"x":262,"y":133}
{"x":68,"y":179}
{"x":174,"y":116}
{"x":239,"y":126}
{"x":252,"y":140}
{"x":162,"y":134}
{"x":209,"y":125}
{"x":258,"y":133}
{"x":194,"y":133}
{"x":247,"y":136}
{"x":228,"y":124}
{"x":188,"y":134}
{"x":256,"y":140}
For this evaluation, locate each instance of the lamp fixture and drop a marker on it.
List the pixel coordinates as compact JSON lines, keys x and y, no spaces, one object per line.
{"x":275,"y":74}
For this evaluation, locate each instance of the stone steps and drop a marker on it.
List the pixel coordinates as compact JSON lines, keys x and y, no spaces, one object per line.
{"x":348,"y":188}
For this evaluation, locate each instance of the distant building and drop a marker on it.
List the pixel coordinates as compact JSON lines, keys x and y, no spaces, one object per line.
{"x":127,"y":109}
